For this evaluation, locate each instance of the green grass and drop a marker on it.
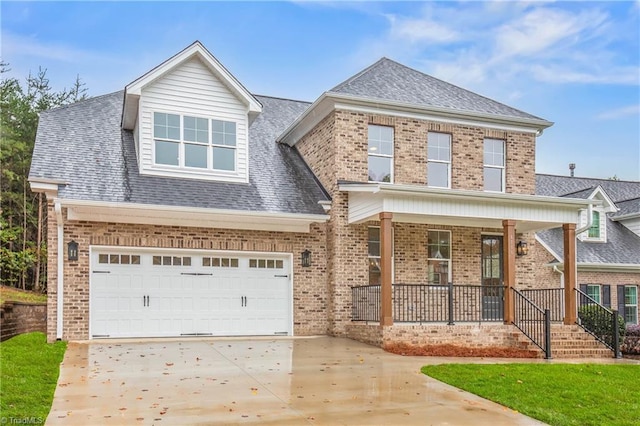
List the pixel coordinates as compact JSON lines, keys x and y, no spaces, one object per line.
{"x":558,"y":394}
{"x":30,"y":369}
{"x":17,"y":295}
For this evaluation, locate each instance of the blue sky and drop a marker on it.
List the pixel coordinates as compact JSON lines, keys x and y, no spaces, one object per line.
{"x":574,"y":63}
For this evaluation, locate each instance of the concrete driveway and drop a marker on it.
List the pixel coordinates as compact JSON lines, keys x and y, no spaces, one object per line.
{"x":320,"y":380}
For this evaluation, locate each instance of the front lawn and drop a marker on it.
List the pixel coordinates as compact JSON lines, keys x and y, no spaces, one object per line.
{"x":30,"y":368}
{"x":557,"y":394}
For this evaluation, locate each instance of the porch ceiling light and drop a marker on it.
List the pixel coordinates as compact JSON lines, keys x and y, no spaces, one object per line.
{"x":306,"y":258}
{"x":521,"y":248}
{"x":72,"y":251}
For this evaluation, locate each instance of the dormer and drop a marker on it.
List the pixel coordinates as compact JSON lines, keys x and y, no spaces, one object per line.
{"x":190,"y":119}
{"x":597,"y":232}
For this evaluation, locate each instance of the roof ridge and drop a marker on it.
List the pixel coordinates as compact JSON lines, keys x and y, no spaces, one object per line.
{"x":360,"y":73}
{"x":282,"y":99}
{"x":589,"y":178}
{"x":79,"y":102}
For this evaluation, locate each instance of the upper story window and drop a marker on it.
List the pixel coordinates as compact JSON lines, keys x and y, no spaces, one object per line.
{"x":494,"y":160}
{"x":439,"y":160}
{"x":380,"y":153}
{"x":194,"y":142}
{"x":594,"y":231}
{"x":598,"y":230}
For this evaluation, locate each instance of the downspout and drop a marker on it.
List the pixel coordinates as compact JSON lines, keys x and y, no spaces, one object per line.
{"x":60,"y":295}
{"x":578,"y":232}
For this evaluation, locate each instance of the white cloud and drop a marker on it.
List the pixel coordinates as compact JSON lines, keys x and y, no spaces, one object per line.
{"x":423,"y":29}
{"x":29,"y":46}
{"x":630,"y":110}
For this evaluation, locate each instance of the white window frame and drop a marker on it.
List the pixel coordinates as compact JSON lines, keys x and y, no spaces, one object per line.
{"x":369,"y":257}
{"x":630,"y":305}
{"x":390,"y":157}
{"x":439,"y":161}
{"x":599,"y":287}
{"x":602,"y":217}
{"x":449,"y":259}
{"x":502,"y":167}
{"x":183,"y":142}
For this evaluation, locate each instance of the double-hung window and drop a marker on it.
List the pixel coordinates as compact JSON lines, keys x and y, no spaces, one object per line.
{"x":380,"y":153}
{"x":375,"y":249}
{"x":494,"y":160}
{"x":194,"y":142}
{"x":630,"y":304}
{"x":593,"y":291}
{"x":594,"y":231}
{"x":439,"y":257}
{"x":439,"y":160}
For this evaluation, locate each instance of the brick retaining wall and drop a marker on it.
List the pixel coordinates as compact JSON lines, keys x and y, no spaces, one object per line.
{"x":19,"y":317}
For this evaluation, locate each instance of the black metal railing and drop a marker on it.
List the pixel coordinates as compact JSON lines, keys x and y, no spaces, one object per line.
{"x":602,"y":323}
{"x":547,"y":298}
{"x":431,"y":303}
{"x":534,"y":322}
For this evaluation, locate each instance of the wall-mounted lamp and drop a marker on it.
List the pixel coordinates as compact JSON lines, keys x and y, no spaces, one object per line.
{"x":521,"y":248}
{"x":306,"y":258}
{"x":72,"y":251}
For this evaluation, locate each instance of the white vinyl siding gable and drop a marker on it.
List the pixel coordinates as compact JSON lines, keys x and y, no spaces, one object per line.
{"x":193,"y":90}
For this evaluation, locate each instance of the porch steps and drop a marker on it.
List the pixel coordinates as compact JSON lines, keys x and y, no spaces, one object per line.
{"x":571,"y":341}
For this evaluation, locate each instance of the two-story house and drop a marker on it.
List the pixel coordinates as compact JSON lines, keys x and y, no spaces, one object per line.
{"x":186,"y":205}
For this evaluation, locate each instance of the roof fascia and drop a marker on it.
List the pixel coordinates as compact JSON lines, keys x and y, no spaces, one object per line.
{"x":626,"y":217}
{"x":196,"y":216}
{"x":329,"y":101}
{"x":632,"y":268}
{"x":415,"y":190}
{"x":609,"y":205}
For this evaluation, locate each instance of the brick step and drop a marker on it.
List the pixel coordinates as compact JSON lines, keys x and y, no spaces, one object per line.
{"x":584,"y":353}
{"x":578,"y":345}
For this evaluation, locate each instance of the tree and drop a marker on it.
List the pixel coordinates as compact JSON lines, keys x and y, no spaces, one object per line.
{"x":21,"y":220}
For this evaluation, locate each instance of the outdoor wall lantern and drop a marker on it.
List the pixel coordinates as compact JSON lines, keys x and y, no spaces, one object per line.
{"x":306,"y":258}
{"x":521,"y":248}
{"x":72,"y":251}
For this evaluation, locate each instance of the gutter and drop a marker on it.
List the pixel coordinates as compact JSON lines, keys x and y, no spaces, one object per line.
{"x":60,"y":277}
{"x":589,"y":221}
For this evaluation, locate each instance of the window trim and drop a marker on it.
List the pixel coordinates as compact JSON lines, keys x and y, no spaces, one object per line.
{"x":448,"y":163}
{"x":390,"y":157}
{"x":630,"y":305}
{"x":599,"y":287}
{"x":503,"y":168}
{"x":602,"y":227}
{"x":182,"y":142}
{"x":449,"y":259}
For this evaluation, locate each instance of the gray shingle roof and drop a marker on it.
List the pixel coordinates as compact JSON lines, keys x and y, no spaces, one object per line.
{"x":617,"y":190}
{"x":388,"y":80}
{"x":622,"y":246}
{"x":84,"y":145}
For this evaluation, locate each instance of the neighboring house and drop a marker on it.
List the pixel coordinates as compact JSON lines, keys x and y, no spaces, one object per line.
{"x":186,"y":205}
{"x":608,"y":254}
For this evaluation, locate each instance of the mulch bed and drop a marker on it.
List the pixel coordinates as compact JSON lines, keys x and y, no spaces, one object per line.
{"x":458,"y":351}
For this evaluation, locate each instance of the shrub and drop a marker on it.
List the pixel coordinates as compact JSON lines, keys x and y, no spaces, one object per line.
{"x":631,"y":342}
{"x":592,"y":318}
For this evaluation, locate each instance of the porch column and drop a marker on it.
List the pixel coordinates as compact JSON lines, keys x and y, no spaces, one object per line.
{"x":509,"y":268}
{"x":570,"y":312}
{"x":386,"y":308}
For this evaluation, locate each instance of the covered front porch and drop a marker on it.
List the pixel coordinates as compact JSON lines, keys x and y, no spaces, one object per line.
{"x":475,"y":276}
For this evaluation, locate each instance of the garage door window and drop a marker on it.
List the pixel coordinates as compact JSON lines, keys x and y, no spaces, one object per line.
{"x":172,"y":260}
{"x":119,"y":259}
{"x":220,"y":262}
{"x":266,"y":263}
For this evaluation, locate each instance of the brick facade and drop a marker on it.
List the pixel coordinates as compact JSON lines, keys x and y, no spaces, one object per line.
{"x":309,"y":289}
{"x":337,"y":149}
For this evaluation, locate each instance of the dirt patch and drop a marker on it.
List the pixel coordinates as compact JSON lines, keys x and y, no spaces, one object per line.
{"x":458,"y":351}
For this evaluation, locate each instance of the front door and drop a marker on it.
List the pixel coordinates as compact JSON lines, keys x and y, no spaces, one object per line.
{"x":492,"y":288}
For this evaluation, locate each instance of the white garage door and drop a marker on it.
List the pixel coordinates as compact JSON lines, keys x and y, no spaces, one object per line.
{"x":160,"y":294}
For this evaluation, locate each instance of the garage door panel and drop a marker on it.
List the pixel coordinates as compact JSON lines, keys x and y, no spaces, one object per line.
{"x":189,"y":293}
